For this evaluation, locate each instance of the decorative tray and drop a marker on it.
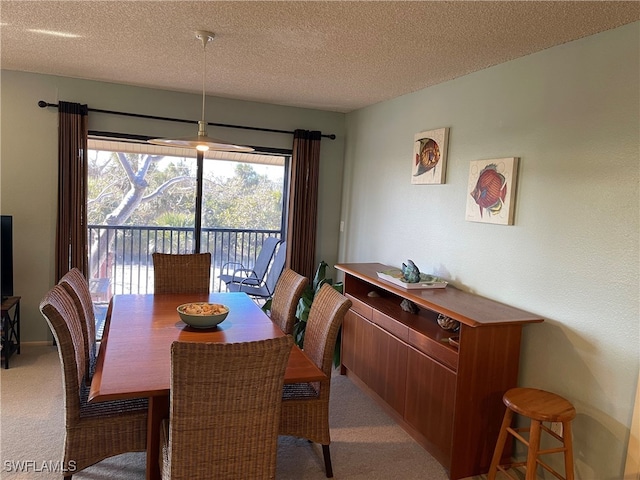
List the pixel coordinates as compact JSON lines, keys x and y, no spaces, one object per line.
{"x":394,"y":275}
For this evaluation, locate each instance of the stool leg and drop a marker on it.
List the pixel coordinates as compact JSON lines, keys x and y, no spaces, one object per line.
{"x":534,"y":446}
{"x":502,"y":438}
{"x":568,"y":453}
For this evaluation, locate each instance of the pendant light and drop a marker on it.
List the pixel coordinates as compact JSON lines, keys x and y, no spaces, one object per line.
{"x":202,"y":142}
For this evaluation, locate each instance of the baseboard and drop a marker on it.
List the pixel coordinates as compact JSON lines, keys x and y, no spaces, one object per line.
{"x":38,"y":343}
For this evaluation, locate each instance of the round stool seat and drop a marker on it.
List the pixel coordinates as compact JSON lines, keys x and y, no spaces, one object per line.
{"x":539,"y":405}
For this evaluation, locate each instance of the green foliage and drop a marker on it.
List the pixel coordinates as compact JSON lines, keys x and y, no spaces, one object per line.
{"x":267,"y":306}
{"x":304,"y":307}
{"x":175,"y":219}
{"x":104,"y":186}
{"x":245,"y":197}
{"x":141,"y":189}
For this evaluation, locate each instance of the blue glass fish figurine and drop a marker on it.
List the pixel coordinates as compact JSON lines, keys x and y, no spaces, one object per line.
{"x":410,"y":272}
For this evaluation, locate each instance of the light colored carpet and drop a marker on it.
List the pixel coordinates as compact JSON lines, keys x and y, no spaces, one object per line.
{"x":366,"y":443}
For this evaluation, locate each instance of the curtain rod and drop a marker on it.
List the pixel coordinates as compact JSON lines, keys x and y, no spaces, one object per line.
{"x":43,"y":104}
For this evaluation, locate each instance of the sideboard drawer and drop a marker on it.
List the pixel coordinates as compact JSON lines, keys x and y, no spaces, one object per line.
{"x":427,"y":345}
{"x":391,"y":325}
{"x":360,"y":307}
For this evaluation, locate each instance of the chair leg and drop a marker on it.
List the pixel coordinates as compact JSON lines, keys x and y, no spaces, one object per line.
{"x":534,"y":447}
{"x":502,"y":438}
{"x":327,"y":461}
{"x":568,"y":453}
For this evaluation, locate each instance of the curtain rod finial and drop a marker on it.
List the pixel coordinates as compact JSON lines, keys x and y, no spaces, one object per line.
{"x":42,"y":104}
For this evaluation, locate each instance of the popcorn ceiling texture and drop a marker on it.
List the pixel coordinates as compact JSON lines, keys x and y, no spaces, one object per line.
{"x":336,"y":56}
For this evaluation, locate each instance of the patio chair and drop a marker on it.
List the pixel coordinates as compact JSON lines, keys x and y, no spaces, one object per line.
{"x":181,"y":273}
{"x":75,"y":283}
{"x":286,"y":295}
{"x":251,"y":276}
{"x":305,"y":406}
{"x":93,"y":431}
{"x":265,"y":288}
{"x":224,"y":410}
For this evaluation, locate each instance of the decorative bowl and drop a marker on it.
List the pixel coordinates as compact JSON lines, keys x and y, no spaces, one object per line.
{"x":202,"y":314}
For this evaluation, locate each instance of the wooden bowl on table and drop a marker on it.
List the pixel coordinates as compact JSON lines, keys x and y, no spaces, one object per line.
{"x":202,"y":314}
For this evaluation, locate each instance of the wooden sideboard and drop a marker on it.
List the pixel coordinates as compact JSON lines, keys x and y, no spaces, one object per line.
{"x":446,"y":394}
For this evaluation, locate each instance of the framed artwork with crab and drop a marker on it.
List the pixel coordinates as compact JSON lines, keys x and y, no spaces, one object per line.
{"x":430,"y":157}
{"x":491,"y":191}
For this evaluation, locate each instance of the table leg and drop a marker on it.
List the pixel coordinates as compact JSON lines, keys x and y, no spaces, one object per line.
{"x":158,"y":410}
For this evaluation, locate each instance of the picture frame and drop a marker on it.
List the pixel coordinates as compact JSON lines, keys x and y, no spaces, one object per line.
{"x":491,"y":191}
{"x":430,"y":157}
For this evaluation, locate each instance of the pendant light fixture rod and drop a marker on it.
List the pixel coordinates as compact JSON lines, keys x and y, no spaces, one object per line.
{"x":205,"y":37}
{"x":202,"y":142}
{"x":204,"y":72}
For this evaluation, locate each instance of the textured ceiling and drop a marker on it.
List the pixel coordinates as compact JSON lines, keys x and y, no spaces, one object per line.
{"x":336,"y":55}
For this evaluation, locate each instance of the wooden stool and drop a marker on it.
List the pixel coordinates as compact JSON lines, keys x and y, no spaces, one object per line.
{"x":539,"y":406}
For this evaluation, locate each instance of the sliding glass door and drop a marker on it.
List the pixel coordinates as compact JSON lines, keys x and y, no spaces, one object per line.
{"x":142,"y":198}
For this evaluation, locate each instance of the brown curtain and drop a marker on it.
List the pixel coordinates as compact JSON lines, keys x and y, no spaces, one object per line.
{"x":71,"y":231}
{"x":303,"y":202}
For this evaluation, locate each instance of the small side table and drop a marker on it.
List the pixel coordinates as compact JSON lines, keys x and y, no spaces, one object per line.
{"x":10,"y":328}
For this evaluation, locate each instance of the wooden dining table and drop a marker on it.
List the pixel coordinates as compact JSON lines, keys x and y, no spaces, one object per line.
{"x":134,"y":360}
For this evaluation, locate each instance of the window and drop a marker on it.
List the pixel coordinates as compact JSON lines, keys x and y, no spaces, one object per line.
{"x":141,"y":199}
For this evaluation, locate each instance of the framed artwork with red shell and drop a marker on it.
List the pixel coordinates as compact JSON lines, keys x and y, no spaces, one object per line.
{"x":429,"y":157}
{"x":491,"y":190}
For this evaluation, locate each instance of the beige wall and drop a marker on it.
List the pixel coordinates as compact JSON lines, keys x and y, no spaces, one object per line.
{"x":571,"y":114}
{"x":28,"y":158}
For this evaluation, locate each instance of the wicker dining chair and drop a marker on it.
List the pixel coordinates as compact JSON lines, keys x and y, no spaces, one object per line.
{"x":284,"y":302}
{"x":93,"y":431}
{"x":77,"y":286}
{"x":181,"y":273}
{"x":305,"y":406}
{"x":224,"y":410}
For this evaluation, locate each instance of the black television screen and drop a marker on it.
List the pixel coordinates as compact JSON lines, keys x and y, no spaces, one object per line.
{"x":6,"y":256}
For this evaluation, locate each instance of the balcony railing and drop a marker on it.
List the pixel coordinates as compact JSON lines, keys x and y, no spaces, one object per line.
{"x":120,"y":257}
